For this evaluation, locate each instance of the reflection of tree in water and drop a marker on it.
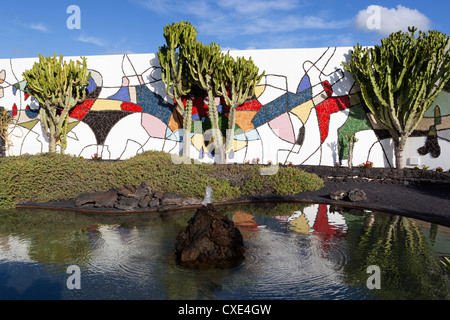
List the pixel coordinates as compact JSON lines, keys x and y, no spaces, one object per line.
{"x":409,"y":269}
{"x":52,"y":238}
{"x":60,"y":237}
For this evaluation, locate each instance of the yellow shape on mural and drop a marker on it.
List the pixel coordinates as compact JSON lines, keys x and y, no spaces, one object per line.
{"x":259,"y":90}
{"x":106,"y":104}
{"x":197,"y":141}
{"x":303,"y":110}
{"x":239,"y":144}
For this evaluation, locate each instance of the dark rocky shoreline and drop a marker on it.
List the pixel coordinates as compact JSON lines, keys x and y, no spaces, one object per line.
{"x":421,"y":194}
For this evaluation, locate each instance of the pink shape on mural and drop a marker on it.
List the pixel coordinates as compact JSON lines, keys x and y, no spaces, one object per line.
{"x":283,"y":125}
{"x":154,"y":126}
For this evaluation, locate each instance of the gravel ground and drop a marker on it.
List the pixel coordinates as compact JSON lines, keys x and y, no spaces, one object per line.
{"x":430,"y":202}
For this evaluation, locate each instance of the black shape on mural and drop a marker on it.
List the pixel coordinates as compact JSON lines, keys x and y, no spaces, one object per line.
{"x":101,"y":122}
{"x":301,"y":136}
{"x":432,"y":144}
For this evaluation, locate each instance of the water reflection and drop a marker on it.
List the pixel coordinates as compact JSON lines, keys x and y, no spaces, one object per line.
{"x":293,"y":251}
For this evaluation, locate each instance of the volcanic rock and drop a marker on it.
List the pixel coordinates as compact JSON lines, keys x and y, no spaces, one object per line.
{"x":338,"y":195}
{"x":171,"y":199}
{"x":209,"y":240}
{"x":97,"y":199}
{"x":356,"y":195}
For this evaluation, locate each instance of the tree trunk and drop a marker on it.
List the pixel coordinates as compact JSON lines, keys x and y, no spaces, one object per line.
{"x":187,"y":123}
{"x":399,"y":147}
{"x":52,"y":141}
{"x":2,"y":147}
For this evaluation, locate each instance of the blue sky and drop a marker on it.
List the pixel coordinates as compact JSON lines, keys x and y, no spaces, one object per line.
{"x":136,"y":26}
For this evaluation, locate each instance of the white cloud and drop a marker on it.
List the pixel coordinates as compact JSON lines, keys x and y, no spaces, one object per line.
{"x":386,"y":21}
{"x":92,"y":40}
{"x":34,"y":26}
{"x":227,"y":18}
{"x":39,"y":27}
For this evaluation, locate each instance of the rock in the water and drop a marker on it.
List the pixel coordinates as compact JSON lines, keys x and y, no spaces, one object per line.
{"x":356,"y":195}
{"x":209,"y":240}
{"x":338,"y":195}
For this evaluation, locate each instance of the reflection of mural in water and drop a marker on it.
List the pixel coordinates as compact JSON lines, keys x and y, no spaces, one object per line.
{"x":336,"y":244}
{"x":302,"y":112}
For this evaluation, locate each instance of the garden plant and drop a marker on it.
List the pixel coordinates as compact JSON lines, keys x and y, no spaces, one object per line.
{"x":58,"y":86}
{"x":400,"y":79}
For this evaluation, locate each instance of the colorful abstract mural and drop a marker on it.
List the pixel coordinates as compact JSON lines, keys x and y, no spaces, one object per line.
{"x":303,"y":111}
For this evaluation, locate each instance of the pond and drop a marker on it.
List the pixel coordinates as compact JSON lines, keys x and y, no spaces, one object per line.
{"x":293,"y":252}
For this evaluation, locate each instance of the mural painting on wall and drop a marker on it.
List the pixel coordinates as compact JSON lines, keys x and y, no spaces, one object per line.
{"x":303,"y":111}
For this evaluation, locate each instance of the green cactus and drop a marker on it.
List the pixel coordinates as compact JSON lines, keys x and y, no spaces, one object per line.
{"x":235,"y":80}
{"x":58,"y":86}
{"x":175,"y":72}
{"x":5,"y":121}
{"x":400,"y":79}
{"x":203,"y":61}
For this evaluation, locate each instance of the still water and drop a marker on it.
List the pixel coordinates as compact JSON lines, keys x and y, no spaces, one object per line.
{"x":293,"y":251}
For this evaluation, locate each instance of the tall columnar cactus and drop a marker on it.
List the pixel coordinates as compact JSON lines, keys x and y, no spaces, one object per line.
{"x":175,"y":72}
{"x":5,"y":121}
{"x":58,"y":86}
{"x":400,"y":79}
{"x":235,"y":80}
{"x":203,"y":60}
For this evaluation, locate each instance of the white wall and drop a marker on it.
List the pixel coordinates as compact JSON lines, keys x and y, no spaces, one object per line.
{"x":282,"y":125}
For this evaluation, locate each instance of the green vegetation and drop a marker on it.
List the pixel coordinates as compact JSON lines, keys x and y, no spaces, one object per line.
{"x":50,"y":177}
{"x":400,"y":79}
{"x":396,"y":245}
{"x":175,"y":71}
{"x":189,"y":67}
{"x":58,"y":86}
{"x":5,"y":121}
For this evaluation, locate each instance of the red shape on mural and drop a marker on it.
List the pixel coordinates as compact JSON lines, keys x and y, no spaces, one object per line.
{"x":14,"y":110}
{"x":252,"y":105}
{"x":26,"y":95}
{"x":327,"y":87}
{"x":200,"y":107}
{"x":127,"y":106}
{"x":80,"y":110}
{"x":328,"y":107}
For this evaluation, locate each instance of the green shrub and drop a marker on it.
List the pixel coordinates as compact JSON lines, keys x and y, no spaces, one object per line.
{"x":292,"y":181}
{"x":51,"y":177}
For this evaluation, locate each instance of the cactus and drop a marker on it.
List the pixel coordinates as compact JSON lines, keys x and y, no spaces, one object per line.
{"x":235,"y":81}
{"x":203,"y":61}
{"x":352,"y":139}
{"x":5,"y":121}
{"x":400,"y":79}
{"x":58,"y":86}
{"x":175,"y":72}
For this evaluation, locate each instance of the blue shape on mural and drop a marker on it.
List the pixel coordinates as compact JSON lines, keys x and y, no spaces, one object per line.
{"x":92,"y":85}
{"x":123,"y":95}
{"x":304,"y":84}
{"x":31,"y":113}
{"x":297,"y":99}
{"x":154,"y":104}
{"x":280,"y":105}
